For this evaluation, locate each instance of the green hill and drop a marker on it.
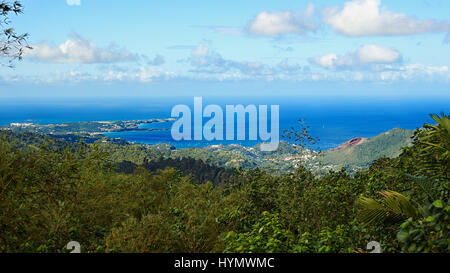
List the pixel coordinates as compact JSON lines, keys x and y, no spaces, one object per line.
{"x":387,"y":144}
{"x":355,"y":154}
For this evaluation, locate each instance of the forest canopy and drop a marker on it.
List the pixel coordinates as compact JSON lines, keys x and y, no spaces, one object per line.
{"x":50,"y":196}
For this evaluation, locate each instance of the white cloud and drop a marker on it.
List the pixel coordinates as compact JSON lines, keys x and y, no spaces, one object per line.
{"x":326,"y":61}
{"x":73,"y":2}
{"x":149,"y":74}
{"x":206,"y":60}
{"x":141,"y":74}
{"x":367,"y":18}
{"x":200,"y":51}
{"x":416,"y":73}
{"x":282,"y":23}
{"x":78,"y":50}
{"x":365,"y":56}
{"x":412,"y":73}
{"x":369,"y":54}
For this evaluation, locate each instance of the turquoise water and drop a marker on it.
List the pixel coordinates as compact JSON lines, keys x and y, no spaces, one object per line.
{"x":332,"y":119}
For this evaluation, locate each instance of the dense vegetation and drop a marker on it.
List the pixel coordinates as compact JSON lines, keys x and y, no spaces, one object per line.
{"x":50,"y":196}
{"x":200,"y":171}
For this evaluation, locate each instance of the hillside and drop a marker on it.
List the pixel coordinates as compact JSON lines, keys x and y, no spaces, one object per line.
{"x":354,"y":154}
{"x":387,"y":144}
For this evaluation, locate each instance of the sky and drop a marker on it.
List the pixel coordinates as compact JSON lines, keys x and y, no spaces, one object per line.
{"x":163,"y":48}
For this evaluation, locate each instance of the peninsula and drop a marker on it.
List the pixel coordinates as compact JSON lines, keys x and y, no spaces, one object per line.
{"x":88,"y":127}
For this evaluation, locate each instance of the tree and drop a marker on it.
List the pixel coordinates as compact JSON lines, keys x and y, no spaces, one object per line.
{"x":426,"y":226}
{"x":394,"y":206}
{"x":12,"y":44}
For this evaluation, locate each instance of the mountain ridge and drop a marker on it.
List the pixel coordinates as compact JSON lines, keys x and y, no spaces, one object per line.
{"x":387,"y":144}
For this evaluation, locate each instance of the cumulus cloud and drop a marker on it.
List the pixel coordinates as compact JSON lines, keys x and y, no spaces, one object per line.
{"x":283,"y":22}
{"x":78,"y":50}
{"x":206,"y":60}
{"x":149,"y":74}
{"x":370,"y":54}
{"x":73,"y":2}
{"x":328,"y":61}
{"x":365,"y":56}
{"x":415,"y":73}
{"x":367,"y":18}
{"x":201,"y":50}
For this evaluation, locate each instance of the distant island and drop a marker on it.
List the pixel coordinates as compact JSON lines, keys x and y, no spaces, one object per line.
{"x":91,"y":128}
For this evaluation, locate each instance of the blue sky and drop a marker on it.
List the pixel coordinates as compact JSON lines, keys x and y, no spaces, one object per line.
{"x":147,"y":48}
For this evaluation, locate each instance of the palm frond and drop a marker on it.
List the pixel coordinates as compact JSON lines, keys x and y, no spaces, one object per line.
{"x":394,"y":207}
{"x":443,"y":121}
{"x":427,"y":184}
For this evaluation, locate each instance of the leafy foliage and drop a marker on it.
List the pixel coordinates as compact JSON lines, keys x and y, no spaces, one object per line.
{"x":200,"y":171}
{"x":268,"y":235}
{"x":428,"y":234}
{"x":53,"y":192}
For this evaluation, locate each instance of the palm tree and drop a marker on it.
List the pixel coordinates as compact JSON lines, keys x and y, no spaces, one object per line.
{"x":396,"y":207}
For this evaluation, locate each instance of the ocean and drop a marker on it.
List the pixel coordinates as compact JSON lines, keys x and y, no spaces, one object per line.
{"x":333,"y":120}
